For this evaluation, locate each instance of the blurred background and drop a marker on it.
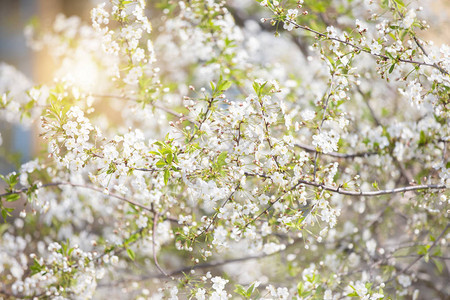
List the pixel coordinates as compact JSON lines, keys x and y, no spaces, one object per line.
{"x":18,"y":145}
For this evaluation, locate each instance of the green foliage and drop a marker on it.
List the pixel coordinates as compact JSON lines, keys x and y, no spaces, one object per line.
{"x":246,"y":293}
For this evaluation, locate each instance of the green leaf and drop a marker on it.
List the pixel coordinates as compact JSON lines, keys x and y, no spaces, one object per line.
{"x":166,"y":176}
{"x":250,"y":290}
{"x":301,"y":292}
{"x":438,"y":264}
{"x":422,"y":250}
{"x":240,"y":290}
{"x":226,"y":85}
{"x":391,"y":68}
{"x":221,"y":159}
{"x":64,"y":247}
{"x":131,"y":254}
{"x":256,"y":87}
{"x":375,"y":185}
{"x":161,"y":163}
{"x":423,"y":138}
{"x":300,"y":288}
{"x":400,"y":3}
{"x":165,"y":150}
{"x":4,"y":214}
{"x":14,"y":179}
{"x":36,"y":267}
{"x":169,"y":158}
{"x":133,"y":238}
{"x":12,"y":197}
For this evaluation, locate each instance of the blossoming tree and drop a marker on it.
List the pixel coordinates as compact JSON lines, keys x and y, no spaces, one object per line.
{"x":232,"y":149}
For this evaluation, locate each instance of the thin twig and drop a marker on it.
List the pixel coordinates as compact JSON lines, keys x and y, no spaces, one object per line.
{"x":316,"y":155}
{"x":426,"y":54}
{"x":271,"y":204}
{"x":358,"y":48}
{"x":335,"y":154}
{"x":340,"y":190}
{"x":155,"y":257}
{"x":216,"y":214}
{"x":200,"y":124}
{"x":422,"y":255}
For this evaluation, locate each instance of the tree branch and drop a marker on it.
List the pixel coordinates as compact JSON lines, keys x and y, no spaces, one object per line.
{"x":216,"y":214}
{"x":57,"y":184}
{"x":340,"y":190}
{"x":358,"y":48}
{"x":335,"y":154}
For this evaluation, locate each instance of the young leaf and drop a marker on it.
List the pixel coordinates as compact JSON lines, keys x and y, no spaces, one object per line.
{"x":169,"y":158}
{"x":131,"y":254}
{"x":240,"y":290}
{"x":221,"y":159}
{"x":12,"y":197}
{"x":161,"y":163}
{"x":391,"y":68}
{"x":226,"y":85}
{"x":166,"y":176}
